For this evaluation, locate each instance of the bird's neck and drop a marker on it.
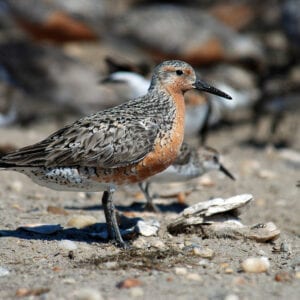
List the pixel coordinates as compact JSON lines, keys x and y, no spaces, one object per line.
{"x":177,"y":98}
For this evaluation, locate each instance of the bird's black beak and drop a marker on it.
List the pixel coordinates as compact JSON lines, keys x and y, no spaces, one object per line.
{"x":203,"y":86}
{"x":226,"y":172}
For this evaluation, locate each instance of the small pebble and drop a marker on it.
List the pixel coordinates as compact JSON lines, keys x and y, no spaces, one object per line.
{"x":67,"y":245}
{"x":266,"y":174}
{"x":81,"y":221}
{"x":37,"y":196}
{"x":158,"y":244}
{"x":256,"y":264}
{"x":261,"y":252}
{"x":239,"y":281}
{"x":180,"y":271}
{"x":181,"y":197}
{"x":148,"y":228}
{"x":129,"y":283}
{"x":224,"y":265}
{"x":69,"y":281}
{"x":194,"y":277}
{"x":110,"y":265}
{"x":228,"y":271}
{"x":136,"y":292}
{"x":204,"y":263}
{"x":297,"y":275}
{"x":231,"y":297}
{"x":57,"y":210}
{"x":205,"y":253}
{"x":16,"y":186}
{"x":17,"y":206}
{"x":81,"y":195}
{"x":206,"y":180}
{"x":71,"y":254}
{"x":87,"y":294}
{"x":284,"y":247}
{"x":140,"y":243}
{"x":3,"y":272}
{"x":283,"y":276}
{"x":24,"y":292}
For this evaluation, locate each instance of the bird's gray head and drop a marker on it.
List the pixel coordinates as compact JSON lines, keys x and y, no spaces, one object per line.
{"x":177,"y":76}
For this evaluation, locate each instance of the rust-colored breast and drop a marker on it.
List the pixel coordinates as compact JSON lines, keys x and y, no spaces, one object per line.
{"x":165,"y":152}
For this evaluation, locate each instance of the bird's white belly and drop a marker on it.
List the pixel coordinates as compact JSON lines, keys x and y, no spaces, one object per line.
{"x":176,"y":174}
{"x":65,"y":179}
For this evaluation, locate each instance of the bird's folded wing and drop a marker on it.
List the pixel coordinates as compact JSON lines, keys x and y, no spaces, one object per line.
{"x":104,"y":143}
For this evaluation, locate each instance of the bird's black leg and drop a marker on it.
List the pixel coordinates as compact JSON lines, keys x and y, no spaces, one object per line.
{"x":203,"y":131}
{"x":111,"y":220}
{"x":149,"y":206}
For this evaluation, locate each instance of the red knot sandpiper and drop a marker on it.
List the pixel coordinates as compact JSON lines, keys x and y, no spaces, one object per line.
{"x":122,"y":145}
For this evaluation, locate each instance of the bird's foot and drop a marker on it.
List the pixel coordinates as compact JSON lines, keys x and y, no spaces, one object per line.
{"x":121,"y":244}
{"x":151,"y":207}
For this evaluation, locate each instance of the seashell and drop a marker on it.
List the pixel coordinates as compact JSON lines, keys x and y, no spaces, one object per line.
{"x":256,"y":264}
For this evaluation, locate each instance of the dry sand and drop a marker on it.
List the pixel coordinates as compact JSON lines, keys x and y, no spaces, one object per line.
{"x":161,"y":268}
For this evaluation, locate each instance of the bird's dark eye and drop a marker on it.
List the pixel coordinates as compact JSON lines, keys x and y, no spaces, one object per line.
{"x":179,"y":72}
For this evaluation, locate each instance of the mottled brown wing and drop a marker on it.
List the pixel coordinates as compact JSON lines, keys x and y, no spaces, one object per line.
{"x":106,"y":143}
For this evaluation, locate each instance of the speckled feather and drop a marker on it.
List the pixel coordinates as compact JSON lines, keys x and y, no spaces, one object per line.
{"x":112,"y":138}
{"x":125,"y":144}
{"x":109,"y":139}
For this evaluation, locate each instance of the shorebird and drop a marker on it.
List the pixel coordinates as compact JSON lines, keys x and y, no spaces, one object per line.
{"x":122,"y":145}
{"x":190,"y":163}
{"x":201,"y":111}
{"x":196,"y":108}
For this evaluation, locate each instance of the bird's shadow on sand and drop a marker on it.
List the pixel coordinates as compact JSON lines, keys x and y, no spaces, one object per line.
{"x":173,"y":207}
{"x":74,"y":234}
{"x":86,"y":234}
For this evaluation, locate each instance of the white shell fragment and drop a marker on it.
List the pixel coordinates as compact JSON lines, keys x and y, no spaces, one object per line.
{"x":67,"y":245}
{"x":42,"y":228}
{"x":3,"y":272}
{"x":203,"y":252}
{"x":147,"y":228}
{"x":86,"y":294}
{"x":144,"y":228}
{"x":211,"y":211}
{"x":218,"y":205}
{"x":256,"y":264}
{"x":218,"y":218}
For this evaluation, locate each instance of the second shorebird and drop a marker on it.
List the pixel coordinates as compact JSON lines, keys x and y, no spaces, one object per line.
{"x":190,"y":163}
{"x":122,"y":145}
